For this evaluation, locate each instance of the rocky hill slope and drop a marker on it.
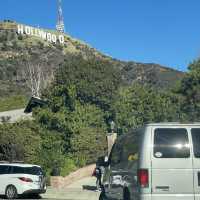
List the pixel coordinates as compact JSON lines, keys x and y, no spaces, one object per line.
{"x":16,"y":50}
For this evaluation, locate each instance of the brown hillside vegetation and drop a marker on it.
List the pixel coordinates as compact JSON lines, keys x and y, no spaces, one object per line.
{"x":17,"y":50}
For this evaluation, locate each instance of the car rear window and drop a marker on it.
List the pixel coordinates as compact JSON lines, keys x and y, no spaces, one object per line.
{"x":33,"y":170}
{"x":196,"y":142}
{"x":4,"y":169}
{"x":27,"y":170}
{"x":171,"y":143}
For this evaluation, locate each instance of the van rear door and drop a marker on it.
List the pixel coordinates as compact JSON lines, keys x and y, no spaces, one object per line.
{"x":172,"y":173}
{"x":123,"y":168}
{"x":196,"y":161}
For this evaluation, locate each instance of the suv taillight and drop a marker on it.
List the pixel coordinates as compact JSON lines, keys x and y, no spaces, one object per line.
{"x":24,"y":179}
{"x":143,"y":177}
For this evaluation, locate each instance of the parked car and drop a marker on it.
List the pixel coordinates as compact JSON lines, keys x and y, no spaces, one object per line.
{"x":16,"y":179}
{"x":157,"y":162}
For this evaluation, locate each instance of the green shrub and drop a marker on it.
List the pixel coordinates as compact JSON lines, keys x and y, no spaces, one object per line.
{"x":13,"y":102}
{"x":68,"y":167}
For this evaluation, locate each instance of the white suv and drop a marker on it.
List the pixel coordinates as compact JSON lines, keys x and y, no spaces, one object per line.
{"x":16,"y":179}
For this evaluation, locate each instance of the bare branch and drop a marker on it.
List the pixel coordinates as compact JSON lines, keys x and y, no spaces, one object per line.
{"x":37,"y":77}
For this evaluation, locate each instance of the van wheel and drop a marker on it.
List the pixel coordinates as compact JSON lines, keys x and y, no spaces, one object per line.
{"x":11,"y":192}
{"x":126,"y":194}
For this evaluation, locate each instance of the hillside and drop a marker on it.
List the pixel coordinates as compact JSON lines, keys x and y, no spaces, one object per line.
{"x":18,"y":49}
{"x":84,"y":91}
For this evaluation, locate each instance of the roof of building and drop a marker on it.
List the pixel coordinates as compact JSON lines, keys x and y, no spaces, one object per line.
{"x":34,"y":102}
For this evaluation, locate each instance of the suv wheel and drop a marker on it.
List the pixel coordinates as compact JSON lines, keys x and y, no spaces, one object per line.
{"x":11,"y":192}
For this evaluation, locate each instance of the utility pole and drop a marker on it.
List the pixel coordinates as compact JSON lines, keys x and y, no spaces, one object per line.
{"x":60,"y":26}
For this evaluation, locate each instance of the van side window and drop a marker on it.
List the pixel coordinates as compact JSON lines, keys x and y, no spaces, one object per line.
{"x":125,"y":151}
{"x":196,"y":141}
{"x":4,"y":169}
{"x":171,"y":143}
{"x":115,"y":154}
{"x":17,"y":170}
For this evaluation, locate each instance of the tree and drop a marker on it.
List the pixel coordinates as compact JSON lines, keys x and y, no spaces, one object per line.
{"x":137,"y":105}
{"x":29,"y":142}
{"x":19,"y":141}
{"x":96,"y":81}
{"x":87,"y":144}
{"x":37,"y":79}
{"x":82,"y":125}
{"x":189,"y":90}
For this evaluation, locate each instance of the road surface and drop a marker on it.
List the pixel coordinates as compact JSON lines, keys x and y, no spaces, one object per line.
{"x":80,"y":190}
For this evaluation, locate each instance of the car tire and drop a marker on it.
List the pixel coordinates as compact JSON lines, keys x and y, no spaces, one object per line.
{"x":11,"y":192}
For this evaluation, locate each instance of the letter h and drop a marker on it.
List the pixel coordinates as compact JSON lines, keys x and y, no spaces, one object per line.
{"x":20,"y":29}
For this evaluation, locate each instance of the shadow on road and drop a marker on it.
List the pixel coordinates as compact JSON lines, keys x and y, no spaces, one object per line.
{"x":24,"y":197}
{"x":89,"y":187}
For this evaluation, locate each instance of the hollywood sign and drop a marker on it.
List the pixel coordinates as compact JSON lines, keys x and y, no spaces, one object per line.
{"x":50,"y":37}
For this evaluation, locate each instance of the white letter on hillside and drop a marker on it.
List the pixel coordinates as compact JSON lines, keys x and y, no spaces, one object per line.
{"x":32,"y":31}
{"x":27,"y":30}
{"x":39,"y":33}
{"x":43,"y":35}
{"x":54,"y":38}
{"x":20,"y":29}
{"x":36,"y":33}
{"x":49,"y":37}
{"x":62,"y":39}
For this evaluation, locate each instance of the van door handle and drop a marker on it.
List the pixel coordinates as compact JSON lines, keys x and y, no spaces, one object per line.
{"x":163,"y":188}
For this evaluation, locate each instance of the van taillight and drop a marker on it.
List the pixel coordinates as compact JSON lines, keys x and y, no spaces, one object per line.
{"x":24,"y":179}
{"x":143,"y":177}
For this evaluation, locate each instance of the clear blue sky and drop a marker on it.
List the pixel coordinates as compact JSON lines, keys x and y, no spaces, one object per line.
{"x":160,"y":31}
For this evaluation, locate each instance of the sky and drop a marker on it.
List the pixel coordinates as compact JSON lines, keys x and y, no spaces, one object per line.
{"x":166,"y":32}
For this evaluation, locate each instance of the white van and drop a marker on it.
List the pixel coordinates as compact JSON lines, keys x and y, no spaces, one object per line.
{"x":16,"y":179}
{"x":158,"y":162}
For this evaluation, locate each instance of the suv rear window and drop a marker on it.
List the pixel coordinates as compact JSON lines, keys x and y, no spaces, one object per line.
{"x":171,"y":143}
{"x":27,"y":170}
{"x":4,"y":169}
{"x":33,"y":170}
{"x":196,"y":141}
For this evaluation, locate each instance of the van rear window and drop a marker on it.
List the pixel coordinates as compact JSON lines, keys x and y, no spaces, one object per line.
{"x":196,"y":141}
{"x":171,"y":143}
